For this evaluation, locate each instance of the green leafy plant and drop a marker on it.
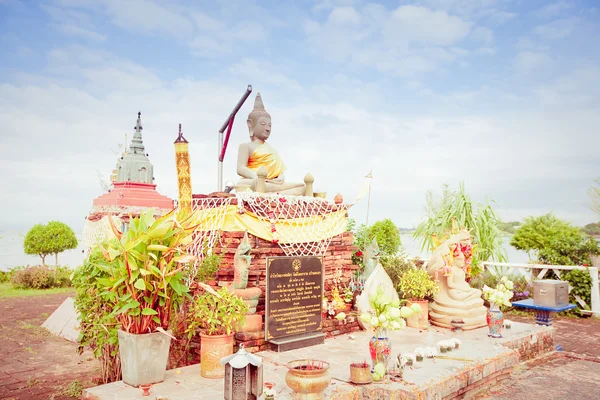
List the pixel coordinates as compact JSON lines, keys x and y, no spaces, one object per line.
{"x":416,"y":284}
{"x":147,"y":269}
{"x":216,"y":313}
{"x":52,"y":238}
{"x":479,"y":219}
{"x":396,"y":265}
{"x":553,"y":241}
{"x":98,"y":326}
{"x":581,"y":283}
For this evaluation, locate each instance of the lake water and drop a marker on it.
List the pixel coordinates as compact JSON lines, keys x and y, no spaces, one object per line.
{"x":11,"y":252}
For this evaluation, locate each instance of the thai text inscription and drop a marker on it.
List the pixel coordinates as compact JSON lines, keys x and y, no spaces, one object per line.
{"x":294,"y":296}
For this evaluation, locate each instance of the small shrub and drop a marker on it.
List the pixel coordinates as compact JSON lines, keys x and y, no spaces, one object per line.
{"x":581,"y":281}
{"x":40,"y":277}
{"x":395,"y":266}
{"x":4,"y":276}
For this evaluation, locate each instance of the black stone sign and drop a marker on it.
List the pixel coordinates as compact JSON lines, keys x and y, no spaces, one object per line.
{"x":294,"y":296}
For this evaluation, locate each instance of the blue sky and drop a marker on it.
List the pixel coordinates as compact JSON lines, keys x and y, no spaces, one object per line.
{"x":503,"y":95}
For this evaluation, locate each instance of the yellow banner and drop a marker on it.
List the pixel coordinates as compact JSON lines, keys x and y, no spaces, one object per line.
{"x":294,"y":230}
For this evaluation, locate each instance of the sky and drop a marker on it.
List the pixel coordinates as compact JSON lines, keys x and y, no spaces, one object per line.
{"x":501,"y":95}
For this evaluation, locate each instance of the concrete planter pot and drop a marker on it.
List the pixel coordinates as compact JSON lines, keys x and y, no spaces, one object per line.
{"x":143,"y":357}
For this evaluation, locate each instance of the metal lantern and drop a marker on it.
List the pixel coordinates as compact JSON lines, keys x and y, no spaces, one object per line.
{"x":243,"y":376}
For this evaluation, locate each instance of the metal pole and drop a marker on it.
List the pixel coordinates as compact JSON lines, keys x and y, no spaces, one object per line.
{"x":221,"y":149}
{"x":220,"y":164}
{"x":595,"y":292}
{"x":370,"y":177}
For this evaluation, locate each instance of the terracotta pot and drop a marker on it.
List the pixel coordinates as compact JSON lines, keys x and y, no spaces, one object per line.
{"x":420,"y":321}
{"x":212,"y":349}
{"x":360,"y":373}
{"x":307,"y":383}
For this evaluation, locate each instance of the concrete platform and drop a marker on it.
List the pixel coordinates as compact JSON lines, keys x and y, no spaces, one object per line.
{"x":479,"y":361}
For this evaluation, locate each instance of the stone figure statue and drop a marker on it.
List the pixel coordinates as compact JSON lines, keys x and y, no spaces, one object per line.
{"x":372,"y":256}
{"x":256,"y":154}
{"x":456,"y":299}
{"x":241,"y":265}
{"x":375,"y":276}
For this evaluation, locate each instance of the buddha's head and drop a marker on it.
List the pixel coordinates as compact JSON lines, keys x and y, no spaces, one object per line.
{"x":259,"y":121}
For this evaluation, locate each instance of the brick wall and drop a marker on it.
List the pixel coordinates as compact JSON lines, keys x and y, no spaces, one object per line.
{"x":338,"y":256}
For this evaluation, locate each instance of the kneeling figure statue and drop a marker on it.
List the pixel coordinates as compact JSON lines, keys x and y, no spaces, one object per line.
{"x":456,"y":299}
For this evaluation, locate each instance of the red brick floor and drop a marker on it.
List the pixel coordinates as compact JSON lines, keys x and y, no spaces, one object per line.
{"x":35,"y":364}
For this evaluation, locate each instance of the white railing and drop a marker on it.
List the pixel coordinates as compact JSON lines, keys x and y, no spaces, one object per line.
{"x":508,"y":268}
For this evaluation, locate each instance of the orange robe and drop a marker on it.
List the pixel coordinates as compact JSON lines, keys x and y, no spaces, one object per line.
{"x":266,"y":156}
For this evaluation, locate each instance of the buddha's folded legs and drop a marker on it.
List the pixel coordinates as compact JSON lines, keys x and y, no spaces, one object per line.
{"x":289,"y":188}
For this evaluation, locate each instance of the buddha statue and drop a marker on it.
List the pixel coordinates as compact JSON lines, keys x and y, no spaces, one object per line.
{"x":456,"y":299}
{"x":257,"y":156}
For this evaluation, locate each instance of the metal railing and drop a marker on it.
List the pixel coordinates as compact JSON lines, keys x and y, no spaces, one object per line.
{"x":508,"y":268}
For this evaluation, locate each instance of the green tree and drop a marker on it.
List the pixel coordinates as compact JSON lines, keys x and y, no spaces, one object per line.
{"x":592,"y":229}
{"x":553,"y":241}
{"x":36,"y":243}
{"x":61,"y":238}
{"x":53,"y":238}
{"x":479,"y":219}
{"x":386,"y":232}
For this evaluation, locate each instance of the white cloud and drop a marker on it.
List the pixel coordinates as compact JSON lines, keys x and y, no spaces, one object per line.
{"x":558,"y":29}
{"x":492,"y":10}
{"x":414,"y":24}
{"x":398,"y":41}
{"x":263,"y":73}
{"x":73,"y":30}
{"x":73,"y":23}
{"x":343,"y":16}
{"x":554,"y":9}
{"x":529,"y":61}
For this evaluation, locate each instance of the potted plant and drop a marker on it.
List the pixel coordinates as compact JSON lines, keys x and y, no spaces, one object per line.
{"x":308,"y":378}
{"x":215,"y":315}
{"x":146,"y":268}
{"x":415,"y":285}
{"x":385,"y":314}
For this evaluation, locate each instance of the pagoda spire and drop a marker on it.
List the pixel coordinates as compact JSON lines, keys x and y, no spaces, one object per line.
{"x":137,"y":145}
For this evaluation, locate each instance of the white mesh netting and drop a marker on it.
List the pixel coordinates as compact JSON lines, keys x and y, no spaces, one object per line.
{"x":302,"y":226}
{"x":98,"y":231}
{"x":211,"y":214}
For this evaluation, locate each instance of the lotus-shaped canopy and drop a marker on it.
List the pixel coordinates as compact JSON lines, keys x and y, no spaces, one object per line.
{"x":241,"y":359}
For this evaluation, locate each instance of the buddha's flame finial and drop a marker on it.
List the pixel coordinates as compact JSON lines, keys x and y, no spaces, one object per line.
{"x":258,"y":103}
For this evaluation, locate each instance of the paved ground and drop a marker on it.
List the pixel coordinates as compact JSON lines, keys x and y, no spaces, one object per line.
{"x":573,"y":373}
{"x":35,"y":364}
